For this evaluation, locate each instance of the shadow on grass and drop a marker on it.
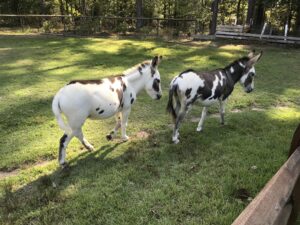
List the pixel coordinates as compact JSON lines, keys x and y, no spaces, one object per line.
{"x":217,"y":160}
{"x":201,"y":162}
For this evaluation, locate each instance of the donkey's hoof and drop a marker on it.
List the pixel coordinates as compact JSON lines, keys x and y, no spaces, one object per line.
{"x":125,"y":138}
{"x":199,"y":129}
{"x":91,"y":148}
{"x":64,"y":165}
{"x":109,"y":137}
{"x":176,"y":141}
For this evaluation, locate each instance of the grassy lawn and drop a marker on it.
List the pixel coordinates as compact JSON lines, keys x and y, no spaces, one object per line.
{"x":146,"y":180}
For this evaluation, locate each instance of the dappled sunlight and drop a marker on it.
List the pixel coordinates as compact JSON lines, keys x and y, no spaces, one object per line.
{"x":165,"y":52}
{"x":23,"y":62}
{"x":226,"y":54}
{"x":283,"y":113}
{"x":197,"y":58}
{"x":292,"y":92}
{"x":234,"y":47}
{"x":132,"y":171}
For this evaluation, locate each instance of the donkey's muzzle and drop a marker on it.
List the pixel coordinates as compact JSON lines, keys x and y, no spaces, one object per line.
{"x":158,"y":96}
{"x":249,"y":90}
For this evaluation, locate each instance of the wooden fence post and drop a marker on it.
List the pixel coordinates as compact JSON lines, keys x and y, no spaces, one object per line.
{"x":263,"y":31}
{"x":296,"y":192}
{"x":286,"y":27}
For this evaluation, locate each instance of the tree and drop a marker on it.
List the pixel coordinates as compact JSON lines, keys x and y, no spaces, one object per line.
{"x":250,"y":12}
{"x":297,"y":22}
{"x":139,"y":13}
{"x":213,"y":23}
{"x":259,"y":15}
{"x":238,"y":9}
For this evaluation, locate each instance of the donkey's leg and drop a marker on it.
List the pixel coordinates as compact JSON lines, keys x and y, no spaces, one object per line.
{"x":222,"y":111}
{"x":63,"y":143}
{"x":201,"y":122}
{"x":124,"y":119}
{"x":179,"y":118}
{"x":78,"y":133}
{"x":76,"y":122}
{"x":113,"y":133}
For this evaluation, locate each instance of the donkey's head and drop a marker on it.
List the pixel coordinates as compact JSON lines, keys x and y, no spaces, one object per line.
{"x":153,"y":87}
{"x":247,"y":79}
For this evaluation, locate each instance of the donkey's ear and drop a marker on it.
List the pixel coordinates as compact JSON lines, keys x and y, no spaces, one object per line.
{"x":251,"y":54}
{"x":156,"y":60}
{"x":254,"y":60}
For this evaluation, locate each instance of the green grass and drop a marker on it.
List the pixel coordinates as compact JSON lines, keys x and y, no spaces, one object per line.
{"x":145,"y":180}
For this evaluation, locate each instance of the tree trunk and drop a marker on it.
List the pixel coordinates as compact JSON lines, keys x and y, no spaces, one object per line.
{"x":61,"y":7}
{"x":249,"y":20}
{"x":165,"y":10}
{"x":15,"y":7}
{"x":43,"y":7}
{"x":297,"y":23}
{"x":139,"y":13}
{"x":83,"y":7}
{"x":213,"y":23}
{"x":67,"y":7}
{"x":238,"y":16}
{"x":260,"y":15}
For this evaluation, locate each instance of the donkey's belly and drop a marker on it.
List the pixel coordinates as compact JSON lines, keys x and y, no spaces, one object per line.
{"x":208,"y":102}
{"x":103,"y":108}
{"x":89,"y":100}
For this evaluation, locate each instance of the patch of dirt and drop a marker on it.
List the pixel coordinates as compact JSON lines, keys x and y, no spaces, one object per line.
{"x":214,"y":115}
{"x":194,"y":119}
{"x":281,"y":107}
{"x":242,"y":194}
{"x":16,"y":170}
{"x":257,"y":109}
{"x":8,"y":174}
{"x":170,"y":125}
{"x":142,"y":135}
{"x":236,"y":111}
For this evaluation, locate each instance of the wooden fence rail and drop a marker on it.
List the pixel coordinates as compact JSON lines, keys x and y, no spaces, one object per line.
{"x":278,"y":202}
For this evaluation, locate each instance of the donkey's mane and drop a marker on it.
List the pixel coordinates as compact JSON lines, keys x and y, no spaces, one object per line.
{"x":137,"y":67}
{"x":243,"y":59}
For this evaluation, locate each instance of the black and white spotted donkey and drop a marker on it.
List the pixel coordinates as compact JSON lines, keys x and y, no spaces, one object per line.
{"x":100,"y":99}
{"x":208,"y":88}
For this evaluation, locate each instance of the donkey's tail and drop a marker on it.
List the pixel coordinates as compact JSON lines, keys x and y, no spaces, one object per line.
{"x":57,"y":112}
{"x":173,"y":101}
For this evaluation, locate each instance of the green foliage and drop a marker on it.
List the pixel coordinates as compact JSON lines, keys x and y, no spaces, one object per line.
{"x":276,"y":12}
{"x":47,"y":26}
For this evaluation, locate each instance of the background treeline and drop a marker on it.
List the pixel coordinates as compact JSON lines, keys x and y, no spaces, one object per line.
{"x":207,"y":12}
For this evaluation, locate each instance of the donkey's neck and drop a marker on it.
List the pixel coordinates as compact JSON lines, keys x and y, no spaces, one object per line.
{"x":136,"y":80}
{"x":235,"y":70}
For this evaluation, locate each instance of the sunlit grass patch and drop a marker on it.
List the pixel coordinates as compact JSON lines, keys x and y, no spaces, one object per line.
{"x":146,"y":180}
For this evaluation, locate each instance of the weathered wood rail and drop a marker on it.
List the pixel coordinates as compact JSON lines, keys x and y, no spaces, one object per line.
{"x":232,"y":28}
{"x":278,"y":202}
{"x":240,"y":32}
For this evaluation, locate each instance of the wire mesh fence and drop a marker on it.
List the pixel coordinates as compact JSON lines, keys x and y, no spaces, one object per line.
{"x":97,"y":25}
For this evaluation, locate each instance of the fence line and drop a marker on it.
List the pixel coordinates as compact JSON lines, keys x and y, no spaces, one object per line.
{"x":87,"y":25}
{"x":100,"y":17}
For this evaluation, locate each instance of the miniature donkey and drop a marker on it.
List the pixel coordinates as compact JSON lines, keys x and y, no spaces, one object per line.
{"x":208,"y":88}
{"x":100,"y":99}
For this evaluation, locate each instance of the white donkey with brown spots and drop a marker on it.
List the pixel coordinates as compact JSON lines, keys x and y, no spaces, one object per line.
{"x":208,"y":88}
{"x":100,"y":99}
